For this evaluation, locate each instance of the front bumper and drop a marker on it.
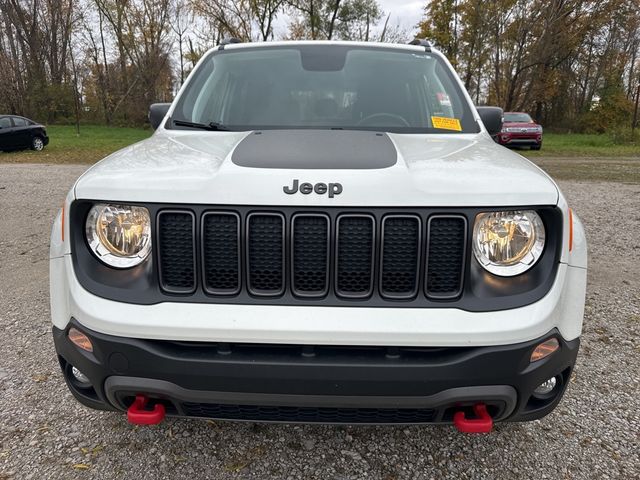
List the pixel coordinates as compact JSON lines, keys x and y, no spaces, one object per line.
{"x":520,"y":139}
{"x":315,"y":384}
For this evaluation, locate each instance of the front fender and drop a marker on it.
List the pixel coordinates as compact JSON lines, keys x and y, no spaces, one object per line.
{"x":59,"y":244}
{"x":578,"y":252}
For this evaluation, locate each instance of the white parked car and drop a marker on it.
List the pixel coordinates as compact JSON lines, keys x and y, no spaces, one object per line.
{"x":319,"y":232}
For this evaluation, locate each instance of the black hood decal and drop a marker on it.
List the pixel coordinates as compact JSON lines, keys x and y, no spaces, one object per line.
{"x":316,"y":149}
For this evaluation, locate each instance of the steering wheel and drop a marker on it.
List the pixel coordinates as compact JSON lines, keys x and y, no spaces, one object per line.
{"x":392,"y":116}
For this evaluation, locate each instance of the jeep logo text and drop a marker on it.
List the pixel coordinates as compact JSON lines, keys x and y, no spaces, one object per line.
{"x":332,"y":189}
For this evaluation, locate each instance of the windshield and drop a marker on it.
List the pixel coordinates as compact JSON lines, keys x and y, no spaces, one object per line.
{"x":324,"y":87}
{"x":517,"y":118}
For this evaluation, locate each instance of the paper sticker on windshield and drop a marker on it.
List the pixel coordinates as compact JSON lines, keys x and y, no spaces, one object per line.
{"x":446,"y":123}
{"x":444,"y":99}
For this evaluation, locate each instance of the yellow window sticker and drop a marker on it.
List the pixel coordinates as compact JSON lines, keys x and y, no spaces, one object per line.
{"x":446,"y":123}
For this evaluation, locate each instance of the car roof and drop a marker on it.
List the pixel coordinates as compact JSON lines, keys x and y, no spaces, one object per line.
{"x":294,"y":43}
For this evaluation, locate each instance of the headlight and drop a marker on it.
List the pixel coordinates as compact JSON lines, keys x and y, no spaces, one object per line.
{"x":119,"y":235}
{"x":508,"y":243}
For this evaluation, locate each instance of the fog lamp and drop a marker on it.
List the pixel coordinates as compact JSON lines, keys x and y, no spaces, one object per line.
{"x":546,"y":387}
{"x":79,"y":376}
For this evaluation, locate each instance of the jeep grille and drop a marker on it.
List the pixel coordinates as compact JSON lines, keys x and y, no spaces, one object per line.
{"x":312,"y":255}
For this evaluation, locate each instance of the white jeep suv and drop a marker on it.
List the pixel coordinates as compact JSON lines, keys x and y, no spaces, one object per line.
{"x":319,"y":232}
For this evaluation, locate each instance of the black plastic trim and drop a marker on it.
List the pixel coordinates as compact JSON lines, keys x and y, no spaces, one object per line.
{"x":265,"y":293}
{"x":352,"y":295}
{"x":415,"y":291}
{"x":447,"y":378}
{"x":168,"y":289}
{"x":464,"y":259}
{"x":202,"y":252}
{"x":295,"y":291}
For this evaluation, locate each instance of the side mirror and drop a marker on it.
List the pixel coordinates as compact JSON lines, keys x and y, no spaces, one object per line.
{"x":157,"y":112}
{"x":492,"y":118}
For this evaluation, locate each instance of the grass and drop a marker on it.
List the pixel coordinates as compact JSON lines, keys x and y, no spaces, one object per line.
{"x":587,"y":157}
{"x":66,"y":146}
{"x":582,"y":145}
{"x":594,"y":169}
{"x":564,"y":156}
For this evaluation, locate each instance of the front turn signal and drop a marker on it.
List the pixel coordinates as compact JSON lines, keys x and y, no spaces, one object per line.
{"x":545,"y":349}
{"x":570,"y":230}
{"x":80,"y":340}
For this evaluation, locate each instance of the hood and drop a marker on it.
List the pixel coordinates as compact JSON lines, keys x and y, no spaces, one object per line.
{"x":372,"y":169}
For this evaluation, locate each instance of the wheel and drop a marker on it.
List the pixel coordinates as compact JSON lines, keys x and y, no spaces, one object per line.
{"x":536,"y":147}
{"x":37,"y":144}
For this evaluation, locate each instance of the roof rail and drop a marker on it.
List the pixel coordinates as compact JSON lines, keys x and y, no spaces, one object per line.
{"x":421,"y":42}
{"x":228,"y":41}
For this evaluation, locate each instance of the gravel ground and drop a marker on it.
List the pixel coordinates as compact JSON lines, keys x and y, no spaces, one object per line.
{"x":44,"y":433}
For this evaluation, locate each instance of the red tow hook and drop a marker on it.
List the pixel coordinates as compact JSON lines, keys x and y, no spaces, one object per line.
{"x":137,"y":414}
{"x":482,"y":424}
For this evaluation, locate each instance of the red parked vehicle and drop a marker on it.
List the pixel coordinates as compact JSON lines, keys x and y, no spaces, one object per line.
{"x":519,"y":130}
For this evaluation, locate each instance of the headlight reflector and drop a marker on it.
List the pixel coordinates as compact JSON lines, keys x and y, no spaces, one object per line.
{"x":119,"y":235}
{"x":508,"y":243}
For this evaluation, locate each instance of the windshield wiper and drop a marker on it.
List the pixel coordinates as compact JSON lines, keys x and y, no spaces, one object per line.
{"x":211,"y":126}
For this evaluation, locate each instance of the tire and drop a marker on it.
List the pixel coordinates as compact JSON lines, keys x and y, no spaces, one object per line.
{"x":37,"y":143}
{"x":536,"y":147}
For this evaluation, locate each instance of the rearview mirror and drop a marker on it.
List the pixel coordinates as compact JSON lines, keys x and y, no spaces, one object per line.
{"x":492,"y":118}
{"x":157,"y":112}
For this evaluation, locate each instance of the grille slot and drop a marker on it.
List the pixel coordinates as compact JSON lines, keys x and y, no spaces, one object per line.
{"x":176,"y":246}
{"x":265,"y":254}
{"x":310,"y":255}
{"x":354,"y":256}
{"x":308,"y":414}
{"x":445,"y":256}
{"x":400,"y":256}
{"x":221,"y":252}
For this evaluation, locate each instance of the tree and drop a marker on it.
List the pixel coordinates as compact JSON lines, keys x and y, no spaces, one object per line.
{"x":440,"y":25}
{"x":332,"y":19}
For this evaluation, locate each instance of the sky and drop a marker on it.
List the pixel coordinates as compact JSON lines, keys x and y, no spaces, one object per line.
{"x":406,"y":13}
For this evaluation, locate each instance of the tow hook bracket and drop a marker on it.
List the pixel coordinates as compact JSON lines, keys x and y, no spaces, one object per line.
{"x":482,"y":424}
{"x":138,"y":415}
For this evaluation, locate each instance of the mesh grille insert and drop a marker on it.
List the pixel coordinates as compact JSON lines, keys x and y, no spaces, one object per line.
{"x":309,"y":414}
{"x":221,"y":253}
{"x":354,"y":256}
{"x":310,"y":255}
{"x":265,"y":252}
{"x":176,"y":251}
{"x":446,"y":253}
{"x":400,"y":256}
